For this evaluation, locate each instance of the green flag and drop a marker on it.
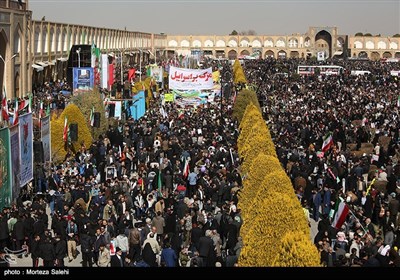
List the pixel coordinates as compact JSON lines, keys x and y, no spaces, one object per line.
{"x":159,"y":184}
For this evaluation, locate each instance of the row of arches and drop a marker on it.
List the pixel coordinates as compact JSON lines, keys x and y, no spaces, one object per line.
{"x":376,"y":55}
{"x":60,"y":38}
{"x":381,"y":45}
{"x":280,"y":42}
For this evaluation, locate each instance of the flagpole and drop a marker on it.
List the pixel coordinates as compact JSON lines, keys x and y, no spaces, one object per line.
{"x":351,"y":212}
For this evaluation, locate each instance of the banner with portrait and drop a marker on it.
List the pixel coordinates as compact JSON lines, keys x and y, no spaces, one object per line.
{"x":5,"y":169}
{"x":83,"y":80}
{"x":26,"y":148}
{"x":15,"y":163}
{"x":45,"y":136}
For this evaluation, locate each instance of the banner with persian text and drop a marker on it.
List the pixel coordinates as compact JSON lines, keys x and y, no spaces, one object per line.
{"x":26,"y":148}
{"x":5,"y":169}
{"x":190,"y":79}
{"x":15,"y":163}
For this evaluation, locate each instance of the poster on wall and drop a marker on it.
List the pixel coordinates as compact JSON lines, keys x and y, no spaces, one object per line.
{"x":83,"y":79}
{"x":15,"y":164}
{"x":45,"y":137}
{"x":26,"y":148}
{"x":5,"y":169}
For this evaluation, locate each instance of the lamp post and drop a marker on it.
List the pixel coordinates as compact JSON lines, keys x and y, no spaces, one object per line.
{"x":140,"y":65}
{"x":122,"y":70}
{"x":78,"y":51}
{"x":225,"y":80}
{"x":5,"y":61}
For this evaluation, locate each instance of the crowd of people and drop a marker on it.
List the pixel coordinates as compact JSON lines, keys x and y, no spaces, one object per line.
{"x":163,"y":190}
{"x":158,"y":191}
{"x":359,"y":111}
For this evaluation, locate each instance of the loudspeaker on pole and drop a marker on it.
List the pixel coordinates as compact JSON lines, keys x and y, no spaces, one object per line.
{"x":73,"y":130}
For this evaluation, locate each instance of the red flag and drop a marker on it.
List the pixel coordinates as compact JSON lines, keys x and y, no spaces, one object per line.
{"x":65,"y":132}
{"x":4,"y":108}
{"x":131,"y":74}
{"x":110,"y":75}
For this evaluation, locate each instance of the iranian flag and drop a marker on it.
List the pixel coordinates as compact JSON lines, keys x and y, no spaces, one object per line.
{"x":398,"y":101}
{"x":4,"y":107}
{"x":91,"y":120}
{"x":15,"y":119}
{"x":328,"y":142}
{"x":41,"y":109}
{"x":341,"y":211}
{"x":186,"y":169}
{"x":65,"y":131}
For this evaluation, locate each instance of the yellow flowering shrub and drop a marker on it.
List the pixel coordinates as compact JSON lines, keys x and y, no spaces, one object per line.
{"x":244,"y":98}
{"x":238,"y":73}
{"x":296,"y":250}
{"x":273,"y":216}
{"x":254,"y":146}
{"x":58,"y":146}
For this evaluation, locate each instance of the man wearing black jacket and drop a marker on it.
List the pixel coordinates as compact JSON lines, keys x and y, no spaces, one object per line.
{"x":60,"y":248}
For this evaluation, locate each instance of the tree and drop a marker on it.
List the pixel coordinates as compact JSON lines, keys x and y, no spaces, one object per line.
{"x":234,"y":33}
{"x":359,"y":34}
{"x":368,"y":35}
{"x":396,"y":35}
{"x":58,"y":146}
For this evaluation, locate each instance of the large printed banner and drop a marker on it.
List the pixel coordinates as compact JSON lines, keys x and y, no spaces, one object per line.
{"x":193,"y":97}
{"x":5,"y":169}
{"x":26,"y":148}
{"x":104,"y":71}
{"x":83,"y":79}
{"x":45,"y":136}
{"x":188,"y":79}
{"x":15,"y":163}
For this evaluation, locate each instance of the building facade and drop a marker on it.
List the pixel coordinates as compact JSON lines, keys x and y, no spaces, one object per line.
{"x":15,"y":69}
{"x":316,"y":39}
{"x":33,"y":52}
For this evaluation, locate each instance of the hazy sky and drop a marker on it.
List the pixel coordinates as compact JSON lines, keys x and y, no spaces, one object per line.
{"x":220,"y":17}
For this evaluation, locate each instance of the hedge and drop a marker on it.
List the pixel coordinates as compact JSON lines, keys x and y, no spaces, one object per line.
{"x":58,"y":147}
{"x":274,"y":216}
{"x":296,"y":250}
{"x":244,"y":98}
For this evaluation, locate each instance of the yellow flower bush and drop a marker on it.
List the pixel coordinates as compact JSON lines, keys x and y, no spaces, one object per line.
{"x":58,"y":146}
{"x":296,"y":250}
{"x":274,"y":216}
{"x":238,"y":73}
{"x":244,"y":98}
{"x":254,"y":146}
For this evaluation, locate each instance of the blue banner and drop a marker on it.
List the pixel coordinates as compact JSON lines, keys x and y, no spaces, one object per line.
{"x":138,"y":109}
{"x":83,"y":80}
{"x":26,"y":148}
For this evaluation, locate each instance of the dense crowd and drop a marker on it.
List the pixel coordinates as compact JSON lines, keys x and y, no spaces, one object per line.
{"x":158,"y":191}
{"x":163,"y":190}
{"x":362,"y":113}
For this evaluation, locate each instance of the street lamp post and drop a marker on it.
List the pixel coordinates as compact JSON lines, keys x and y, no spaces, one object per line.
{"x":225,"y":80}
{"x":78,"y":51}
{"x":5,"y":61}
{"x":140,"y":65}
{"x":122,"y":73}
